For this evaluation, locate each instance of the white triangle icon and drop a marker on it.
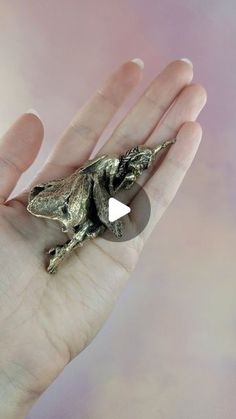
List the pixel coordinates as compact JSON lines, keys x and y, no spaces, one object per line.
{"x":117,"y":210}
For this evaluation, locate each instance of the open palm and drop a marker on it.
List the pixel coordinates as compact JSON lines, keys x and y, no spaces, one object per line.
{"x":46,"y":320}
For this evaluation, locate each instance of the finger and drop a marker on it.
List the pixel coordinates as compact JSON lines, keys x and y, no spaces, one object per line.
{"x":19,"y":147}
{"x":137,"y":126}
{"x":187,"y":107}
{"x":79,"y":139}
{"x":161,"y":188}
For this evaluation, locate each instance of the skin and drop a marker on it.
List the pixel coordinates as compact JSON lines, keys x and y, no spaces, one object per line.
{"x":45,"y":321}
{"x":72,"y":199}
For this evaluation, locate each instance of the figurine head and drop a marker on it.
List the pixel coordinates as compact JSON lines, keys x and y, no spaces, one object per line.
{"x":45,"y":201}
{"x":136,"y":160}
{"x":65,"y":200}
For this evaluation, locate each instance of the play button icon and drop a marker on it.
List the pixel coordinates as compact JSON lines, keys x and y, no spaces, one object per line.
{"x":131,"y":217}
{"x":117,"y":210}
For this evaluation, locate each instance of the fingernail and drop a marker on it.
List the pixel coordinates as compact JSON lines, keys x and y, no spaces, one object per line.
{"x":34,"y":112}
{"x":139,"y":62}
{"x":187,"y":60}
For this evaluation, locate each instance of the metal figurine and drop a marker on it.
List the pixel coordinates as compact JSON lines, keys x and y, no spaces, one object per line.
{"x":80,"y":201}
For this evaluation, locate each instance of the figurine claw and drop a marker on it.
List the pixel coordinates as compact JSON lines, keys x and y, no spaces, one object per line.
{"x":54,"y":250}
{"x":51,"y":251}
{"x":51,"y":268}
{"x":57,"y":254}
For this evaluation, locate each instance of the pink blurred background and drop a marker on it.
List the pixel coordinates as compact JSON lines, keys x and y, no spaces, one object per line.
{"x":168,"y":350}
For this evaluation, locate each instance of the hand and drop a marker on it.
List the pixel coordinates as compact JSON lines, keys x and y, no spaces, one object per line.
{"x":46,"y":320}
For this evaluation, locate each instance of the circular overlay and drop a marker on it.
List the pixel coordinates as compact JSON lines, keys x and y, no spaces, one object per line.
{"x":136,"y":221}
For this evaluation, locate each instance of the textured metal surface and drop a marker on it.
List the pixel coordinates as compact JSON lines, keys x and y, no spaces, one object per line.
{"x":168,"y":351}
{"x":80,"y":201}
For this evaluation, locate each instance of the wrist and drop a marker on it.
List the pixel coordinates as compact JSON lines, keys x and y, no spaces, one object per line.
{"x":15,"y":398}
{"x":24,"y":372}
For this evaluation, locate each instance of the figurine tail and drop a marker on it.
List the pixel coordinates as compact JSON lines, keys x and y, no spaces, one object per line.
{"x":163,"y":145}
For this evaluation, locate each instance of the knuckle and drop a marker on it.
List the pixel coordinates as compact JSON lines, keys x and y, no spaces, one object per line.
{"x":83,"y":130}
{"x":155,"y":102}
{"x":160,"y":195}
{"x":168,"y":128}
{"x":9,"y":164}
{"x":107,"y":98}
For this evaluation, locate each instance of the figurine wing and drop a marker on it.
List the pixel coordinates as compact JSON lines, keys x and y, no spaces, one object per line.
{"x":92,"y":165}
{"x":101,"y":199}
{"x":79,"y":200}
